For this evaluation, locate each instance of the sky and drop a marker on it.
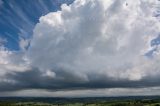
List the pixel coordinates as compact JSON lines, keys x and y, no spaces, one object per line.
{"x":79,"y":48}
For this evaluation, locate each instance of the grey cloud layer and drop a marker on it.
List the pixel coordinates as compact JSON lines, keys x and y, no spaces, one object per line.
{"x":34,"y":79}
{"x":87,"y":45}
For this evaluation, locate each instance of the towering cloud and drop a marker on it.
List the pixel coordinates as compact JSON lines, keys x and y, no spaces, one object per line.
{"x":101,"y":37}
{"x":92,"y":44}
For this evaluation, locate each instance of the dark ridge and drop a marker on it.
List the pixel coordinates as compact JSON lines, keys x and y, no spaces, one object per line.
{"x":75,"y":100}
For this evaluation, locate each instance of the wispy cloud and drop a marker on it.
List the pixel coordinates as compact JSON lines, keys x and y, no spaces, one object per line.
{"x":2,"y":41}
{"x":1,"y":2}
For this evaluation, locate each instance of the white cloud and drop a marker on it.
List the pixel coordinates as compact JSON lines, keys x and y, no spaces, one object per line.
{"x":2,"y":41}
{"x":24,"y":44}
{"x":92,"y":36}
{"x":11,"y":62}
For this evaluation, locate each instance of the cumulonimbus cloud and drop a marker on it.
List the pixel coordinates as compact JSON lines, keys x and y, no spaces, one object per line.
{"x":93,"y":44}
{"x":93,"y":36}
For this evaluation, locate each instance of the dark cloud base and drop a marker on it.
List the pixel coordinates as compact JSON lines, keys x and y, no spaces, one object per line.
{"x":65,"y":80}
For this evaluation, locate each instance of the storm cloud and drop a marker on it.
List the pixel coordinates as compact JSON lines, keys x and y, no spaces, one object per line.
{"x":89,"y":44}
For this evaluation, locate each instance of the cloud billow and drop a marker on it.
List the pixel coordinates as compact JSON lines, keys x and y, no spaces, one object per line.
{"x":91,"y":44}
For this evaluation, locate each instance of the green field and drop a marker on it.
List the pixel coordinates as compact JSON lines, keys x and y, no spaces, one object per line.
{"x":88,"y":103}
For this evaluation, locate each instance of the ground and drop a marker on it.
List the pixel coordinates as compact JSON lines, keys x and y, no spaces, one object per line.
{"x":82,"y":102}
